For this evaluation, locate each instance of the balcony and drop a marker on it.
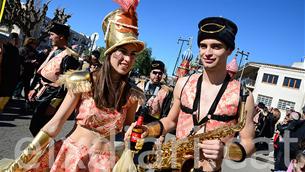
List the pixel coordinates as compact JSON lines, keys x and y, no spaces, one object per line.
{"x":250,"y":83}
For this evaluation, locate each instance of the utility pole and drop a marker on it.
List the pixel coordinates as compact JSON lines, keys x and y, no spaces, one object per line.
{"x":244,"y":54}
{"x":93,"y":41}
{"x":189,"y":43}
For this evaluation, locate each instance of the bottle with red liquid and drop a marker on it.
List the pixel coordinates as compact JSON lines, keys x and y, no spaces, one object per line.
{"x":136,"y":133}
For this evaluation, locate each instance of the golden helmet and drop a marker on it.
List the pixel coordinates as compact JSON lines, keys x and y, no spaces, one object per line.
{"x":121,"y":27}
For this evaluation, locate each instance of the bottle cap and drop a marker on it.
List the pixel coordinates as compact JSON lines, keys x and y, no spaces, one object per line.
{"x":140,"y":120}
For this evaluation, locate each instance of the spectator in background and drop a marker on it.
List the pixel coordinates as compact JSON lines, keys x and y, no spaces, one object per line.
{"x":10,"y":69}
{"x":155,"y":91}
{"x":295,"y":128}
{"x":264,"y":127}
{"x":258,"y":110}
{"x":298,"y":164}
{"x":276,"y":115}
{"x":30,"y":62}
{"x":158,"y":98}
{"x":95,"y":64}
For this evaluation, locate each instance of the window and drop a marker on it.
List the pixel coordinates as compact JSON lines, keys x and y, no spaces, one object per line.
{"x":292,"y":82}
{"x":264,"y":99}
{"x":268,"y":78}
{"x":283,"y":104}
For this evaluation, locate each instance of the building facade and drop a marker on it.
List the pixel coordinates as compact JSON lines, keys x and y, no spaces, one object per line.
{"x":276,"y":86}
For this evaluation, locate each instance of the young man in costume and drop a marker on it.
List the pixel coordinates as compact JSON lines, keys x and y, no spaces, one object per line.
{"x":46,"y":94}
{"x":196,"y":108}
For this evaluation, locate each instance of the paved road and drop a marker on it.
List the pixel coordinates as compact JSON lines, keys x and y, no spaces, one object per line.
{"x":14,"y":131}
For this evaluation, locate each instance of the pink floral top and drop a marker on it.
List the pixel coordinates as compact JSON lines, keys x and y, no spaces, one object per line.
{"x":104,"y":121}
{"x":228,"y":105}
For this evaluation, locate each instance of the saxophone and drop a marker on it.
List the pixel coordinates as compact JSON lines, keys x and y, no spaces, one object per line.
{"x":172,"y":154}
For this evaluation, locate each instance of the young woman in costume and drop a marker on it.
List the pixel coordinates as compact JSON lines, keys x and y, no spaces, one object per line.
{"x":104,"y":102}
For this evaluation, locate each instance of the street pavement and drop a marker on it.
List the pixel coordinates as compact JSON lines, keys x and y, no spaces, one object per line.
{"x":15,"y":136}
{"x":14,"y":129}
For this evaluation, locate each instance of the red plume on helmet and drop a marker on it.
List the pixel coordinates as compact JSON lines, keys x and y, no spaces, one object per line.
{"x":126,"y":5}
{"x":121,"y":26}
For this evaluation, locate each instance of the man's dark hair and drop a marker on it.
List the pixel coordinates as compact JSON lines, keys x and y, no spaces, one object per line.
{"x":261,"y":105}
{"x":96,"y":53}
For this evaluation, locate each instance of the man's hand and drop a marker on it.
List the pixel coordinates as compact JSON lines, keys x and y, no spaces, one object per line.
{"x":129,"y":131}
{"x":212,"y":149}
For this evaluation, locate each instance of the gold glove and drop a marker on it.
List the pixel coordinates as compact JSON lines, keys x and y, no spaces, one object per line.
{"x":31,"y":154}
{"x":235,"y":152}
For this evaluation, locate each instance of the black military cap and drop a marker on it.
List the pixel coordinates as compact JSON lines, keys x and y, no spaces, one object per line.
{"x":60,"y":29}
{"x":218,"y":28}
{"x":157,"y":64}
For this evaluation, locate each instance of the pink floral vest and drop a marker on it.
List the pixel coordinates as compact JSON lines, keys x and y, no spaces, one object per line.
{"x":51,"y":69}
{"x":228,"y":104}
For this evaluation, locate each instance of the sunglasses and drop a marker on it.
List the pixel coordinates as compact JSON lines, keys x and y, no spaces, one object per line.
{"x":156,"y":72}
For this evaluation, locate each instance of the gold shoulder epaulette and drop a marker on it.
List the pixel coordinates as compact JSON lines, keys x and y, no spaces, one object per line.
{"x":72,"y":53}
{"x":76,"y":81}
{"x":137,"y":94}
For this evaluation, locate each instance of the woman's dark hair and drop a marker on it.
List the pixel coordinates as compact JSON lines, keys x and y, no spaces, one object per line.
{"x":104,"y":93}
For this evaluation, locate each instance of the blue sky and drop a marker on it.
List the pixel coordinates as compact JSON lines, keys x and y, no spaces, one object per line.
{"x":271,"y":30}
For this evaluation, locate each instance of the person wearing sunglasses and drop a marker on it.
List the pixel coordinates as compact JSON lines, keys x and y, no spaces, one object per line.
{"x":156,"y":92}
{"x":158,"y":98}
{"x":155,"y":76}
{"x":208,"y":100}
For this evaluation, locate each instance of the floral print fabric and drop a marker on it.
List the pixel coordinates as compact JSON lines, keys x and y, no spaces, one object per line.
{"x":155,"y":103}
{"x":51,"y":70}
{"x":228,"y":105}
{"x":73,"y":157}
{"x":102,"y":121}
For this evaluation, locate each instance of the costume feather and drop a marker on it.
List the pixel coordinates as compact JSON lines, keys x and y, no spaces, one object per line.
{"x":127,"y":4}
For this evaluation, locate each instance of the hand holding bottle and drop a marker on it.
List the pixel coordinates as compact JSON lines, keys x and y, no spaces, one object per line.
{"x":136,"y":134}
